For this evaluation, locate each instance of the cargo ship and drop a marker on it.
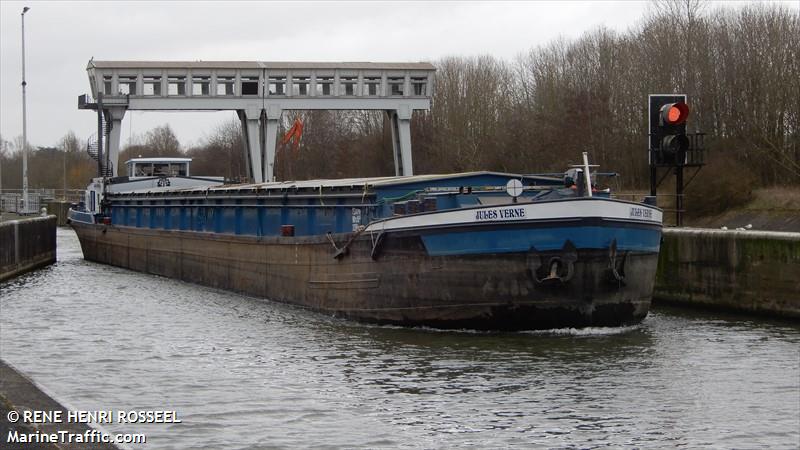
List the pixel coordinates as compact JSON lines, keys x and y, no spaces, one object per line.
{"x":477,"y":250}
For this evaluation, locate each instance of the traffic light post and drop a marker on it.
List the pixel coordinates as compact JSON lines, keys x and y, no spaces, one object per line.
{"x":670,"y":147}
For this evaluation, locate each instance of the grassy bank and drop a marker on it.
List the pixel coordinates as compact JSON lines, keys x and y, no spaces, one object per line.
{"x":769,"y":209}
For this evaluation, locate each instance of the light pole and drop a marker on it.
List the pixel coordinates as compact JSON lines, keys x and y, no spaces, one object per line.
{"x":64,"y":177}
{"x":2,"y":155}
{"x":24,"y":125}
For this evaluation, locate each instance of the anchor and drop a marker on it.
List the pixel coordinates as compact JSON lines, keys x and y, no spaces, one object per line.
{"x":377,"y":245}
{"x":615,"y":274}
{"x":553,"y":270}
{"x":340,"y":252}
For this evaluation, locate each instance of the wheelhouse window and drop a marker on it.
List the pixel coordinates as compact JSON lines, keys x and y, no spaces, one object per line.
{"x":142,"y":170}
{"x":178,"y":169}
{"x":158,"y":169}
{"x":161,"y":169}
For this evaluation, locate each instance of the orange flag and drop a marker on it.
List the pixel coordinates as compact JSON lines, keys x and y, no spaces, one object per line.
{"x":294,"y":134}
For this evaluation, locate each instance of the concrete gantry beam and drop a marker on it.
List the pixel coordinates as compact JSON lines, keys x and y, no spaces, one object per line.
{"x":260,"y":91}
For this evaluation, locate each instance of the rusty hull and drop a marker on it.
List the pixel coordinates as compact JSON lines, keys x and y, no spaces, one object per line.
{"x":401,"y":286}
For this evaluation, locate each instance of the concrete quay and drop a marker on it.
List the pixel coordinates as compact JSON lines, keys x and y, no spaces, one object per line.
{"x":26,"y":244}
{"x":19,"y":394}
{"x":756,"y":272}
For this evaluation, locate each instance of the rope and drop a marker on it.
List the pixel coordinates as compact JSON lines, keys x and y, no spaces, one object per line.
{"x":397,"y":199}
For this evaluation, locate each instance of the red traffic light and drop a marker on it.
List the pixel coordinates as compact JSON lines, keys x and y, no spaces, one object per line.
{"x":674,"y":113}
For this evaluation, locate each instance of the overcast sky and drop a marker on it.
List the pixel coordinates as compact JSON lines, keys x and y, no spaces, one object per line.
{"x":61,"y":37}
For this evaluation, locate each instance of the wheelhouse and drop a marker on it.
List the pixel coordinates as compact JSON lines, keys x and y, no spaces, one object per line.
{"x":158,"y":167}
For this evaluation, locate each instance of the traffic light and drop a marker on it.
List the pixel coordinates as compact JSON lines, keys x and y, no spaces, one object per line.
{"x":668,"y":141}
{"x":670,"y":147}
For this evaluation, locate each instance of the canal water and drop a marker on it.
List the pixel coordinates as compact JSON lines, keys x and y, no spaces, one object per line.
{"x":245,"y":373}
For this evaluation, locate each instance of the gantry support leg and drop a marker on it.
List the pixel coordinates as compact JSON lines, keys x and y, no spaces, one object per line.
{"x":273,"y":116}
{"x":115,"y":116}
{"x":400,"y":123}
{"x":251,"y":134}
{"x":247,"y":163}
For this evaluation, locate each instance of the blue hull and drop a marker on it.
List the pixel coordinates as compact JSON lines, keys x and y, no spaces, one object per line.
{"x":465,"y":261}
{"x":642,"y":239}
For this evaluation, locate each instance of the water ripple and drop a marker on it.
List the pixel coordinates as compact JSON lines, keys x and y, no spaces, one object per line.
{"x":245,"y":373}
